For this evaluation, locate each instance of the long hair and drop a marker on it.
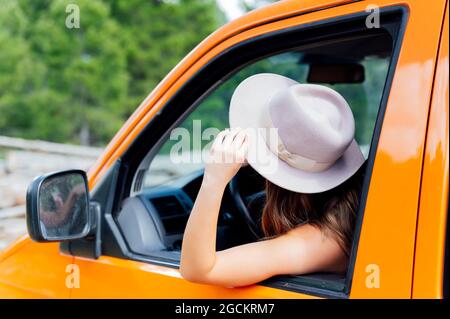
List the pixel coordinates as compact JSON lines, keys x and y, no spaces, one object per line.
{"x":333,"y":211}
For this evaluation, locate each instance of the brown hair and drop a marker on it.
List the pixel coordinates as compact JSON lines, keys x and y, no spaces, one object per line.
{"x":333,"y":211}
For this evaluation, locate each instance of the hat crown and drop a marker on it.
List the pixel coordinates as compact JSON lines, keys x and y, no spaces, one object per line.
{"x":312,"y":121}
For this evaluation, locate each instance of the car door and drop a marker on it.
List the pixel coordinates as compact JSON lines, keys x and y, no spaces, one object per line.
{"x":383,"y":252}
{"x":430,"y":265}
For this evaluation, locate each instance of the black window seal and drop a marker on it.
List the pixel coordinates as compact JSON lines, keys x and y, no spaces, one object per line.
{"x":131,"y":158}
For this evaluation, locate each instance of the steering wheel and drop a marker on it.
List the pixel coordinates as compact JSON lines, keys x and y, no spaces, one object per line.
{"x":247,"y":191}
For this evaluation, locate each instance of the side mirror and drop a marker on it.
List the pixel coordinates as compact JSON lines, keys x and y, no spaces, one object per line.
{"x":58,"y":207}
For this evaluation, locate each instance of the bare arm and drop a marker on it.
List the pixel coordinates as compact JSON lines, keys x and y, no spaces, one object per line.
{"x":64,"y":208}
{"x":302,"y":250}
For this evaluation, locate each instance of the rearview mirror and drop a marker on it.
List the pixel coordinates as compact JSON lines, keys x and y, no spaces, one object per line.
{"x":344,"y":73}
{"x":58,"y":207}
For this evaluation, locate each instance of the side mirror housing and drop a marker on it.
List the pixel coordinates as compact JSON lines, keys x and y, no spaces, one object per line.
{"x":58,"y":207}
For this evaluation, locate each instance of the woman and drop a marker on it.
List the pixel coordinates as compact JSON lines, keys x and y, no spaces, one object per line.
{"x":300,"y":137}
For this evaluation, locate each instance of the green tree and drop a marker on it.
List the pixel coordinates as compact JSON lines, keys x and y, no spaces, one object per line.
{"x":158,"y":34}
{"x":79,"y":85}
{"x":57,"y":83}
{"x":87,"y":64}
{"x":22,"y":86}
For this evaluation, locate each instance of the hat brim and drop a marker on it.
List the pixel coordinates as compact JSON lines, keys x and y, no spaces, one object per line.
{"x":248,"y":110}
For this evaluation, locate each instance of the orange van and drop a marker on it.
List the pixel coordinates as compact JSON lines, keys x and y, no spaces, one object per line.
{"x":388,"y":58}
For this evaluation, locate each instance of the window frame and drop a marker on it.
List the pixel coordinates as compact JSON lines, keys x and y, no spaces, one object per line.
{"x":123,"y":173}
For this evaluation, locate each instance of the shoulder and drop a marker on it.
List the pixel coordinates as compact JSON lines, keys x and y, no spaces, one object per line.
{"x":309,"y":244}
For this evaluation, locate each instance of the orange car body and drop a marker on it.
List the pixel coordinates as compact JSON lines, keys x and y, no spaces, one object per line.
{"x":404,"y":226}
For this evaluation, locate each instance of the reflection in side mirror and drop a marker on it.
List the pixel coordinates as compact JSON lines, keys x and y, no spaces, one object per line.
{"x":58,"y":207}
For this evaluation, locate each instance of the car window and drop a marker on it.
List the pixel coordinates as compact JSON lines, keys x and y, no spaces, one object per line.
{"x":188,"y":139}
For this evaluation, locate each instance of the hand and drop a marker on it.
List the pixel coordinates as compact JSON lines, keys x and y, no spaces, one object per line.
{"x":226,"y":156}
{"x":78,"y":190}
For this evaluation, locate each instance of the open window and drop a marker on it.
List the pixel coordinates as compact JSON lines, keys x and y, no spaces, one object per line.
{"x":156,"y":193}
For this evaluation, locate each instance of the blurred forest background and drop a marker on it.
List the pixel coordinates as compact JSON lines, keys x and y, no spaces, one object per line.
{"x":79,"y":85}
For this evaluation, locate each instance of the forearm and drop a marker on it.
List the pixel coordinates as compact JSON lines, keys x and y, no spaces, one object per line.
{"x":199,"y":242}
{"x":65,"y":210}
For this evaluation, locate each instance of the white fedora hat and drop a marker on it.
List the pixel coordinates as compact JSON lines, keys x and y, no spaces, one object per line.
{"x":313,"y":148}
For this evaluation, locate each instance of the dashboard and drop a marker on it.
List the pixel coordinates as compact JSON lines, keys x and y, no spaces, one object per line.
{"x":155,"y":219}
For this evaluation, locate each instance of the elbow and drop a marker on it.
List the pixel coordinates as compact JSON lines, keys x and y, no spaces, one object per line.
{"x":199,"y":275}
{"x":206,"y":278}
{"x":192,"y":275}
{"x":196,"y":272}
{"x":185,"y":272}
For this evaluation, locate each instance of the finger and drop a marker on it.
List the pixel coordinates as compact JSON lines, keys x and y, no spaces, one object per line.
{"x":219,"y":139}
{"x":239,"y":138}
{"x":217,"y":147}
{"x":245,"y":143}
{"x":243,"y":149}
{"x":228,"y":140}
